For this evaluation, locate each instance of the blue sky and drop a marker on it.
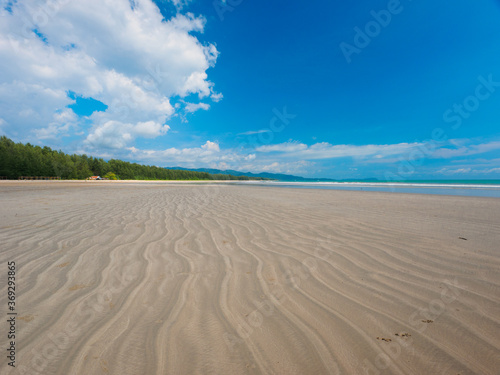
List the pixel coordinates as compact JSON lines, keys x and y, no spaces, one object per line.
{"x":386,"y":89}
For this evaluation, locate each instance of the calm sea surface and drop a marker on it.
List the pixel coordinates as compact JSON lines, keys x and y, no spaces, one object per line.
{"x":471,"y":190}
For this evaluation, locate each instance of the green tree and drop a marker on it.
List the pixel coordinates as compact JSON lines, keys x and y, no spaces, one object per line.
{"x":111,"y":176}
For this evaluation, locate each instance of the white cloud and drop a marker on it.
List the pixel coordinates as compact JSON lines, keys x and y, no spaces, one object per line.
{"x":116,"y":134}
{"x":284,"y":167}
{"x":462,"y":150}
{"x":295,"y":157}
{"x":250,"y":157}
{"x":222,"y":166}
{"x":211,"y":155}
{"x":211,"y":146}
{"x":205,"y":155}
{"x":127,"y":57}
{"x":326,"y":150}
{"x":299,"y":159}
{"x":150,"y":129}
{"x":283,"y":147}
{"x":179,"y":4}
{"x":193,"y":107}
{"x":216,"y":96}
{"x":473,"y":169}
{"x":60,"y":126}
{"x":449,"y":172}
{"x":251,"y":132}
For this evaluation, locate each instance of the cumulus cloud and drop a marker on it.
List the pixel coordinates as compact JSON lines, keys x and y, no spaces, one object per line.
{"x":283,"y":147}
{"x":324,"y":150}
{"x":216,"y":96}
{"x":211,"y":155}
{"x":179,"y":4}
{"x":211,"y":146}
{"x":250,"y":157}
{"x":207,"y":154}
{"x":297,"y":158}
{"x":116,"y":134}
{"x":285,"y":167}
{"x":448,"y":171}
{"x":189,"y":22}
{"x":477,"y":167}
{"x":465,"y":150}
{"x":63,"y":121}
{"x":193,"y":107}
{"x":128,"y":57}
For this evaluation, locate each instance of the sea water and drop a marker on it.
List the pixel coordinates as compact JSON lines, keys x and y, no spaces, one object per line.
{"x":462,"y":189}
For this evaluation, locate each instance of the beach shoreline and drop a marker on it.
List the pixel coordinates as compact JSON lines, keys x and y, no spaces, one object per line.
{"x":472,"y":190}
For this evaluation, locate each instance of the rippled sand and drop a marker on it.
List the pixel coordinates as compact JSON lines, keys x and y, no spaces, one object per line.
{"x":137,"y":278}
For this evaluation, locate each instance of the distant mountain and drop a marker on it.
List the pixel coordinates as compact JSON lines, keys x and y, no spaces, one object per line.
{"x":273,"y":176}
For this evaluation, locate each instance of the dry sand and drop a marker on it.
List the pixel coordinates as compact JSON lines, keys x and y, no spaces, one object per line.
{"x":137,"y":278}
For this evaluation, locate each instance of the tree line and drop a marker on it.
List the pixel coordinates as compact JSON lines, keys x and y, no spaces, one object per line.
{"x":17,"y":159}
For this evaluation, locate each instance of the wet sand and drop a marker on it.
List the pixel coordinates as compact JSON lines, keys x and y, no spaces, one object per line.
{"x":173,"y":278}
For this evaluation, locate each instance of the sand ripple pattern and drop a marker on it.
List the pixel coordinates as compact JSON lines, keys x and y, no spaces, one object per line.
{"x":138,"y":278}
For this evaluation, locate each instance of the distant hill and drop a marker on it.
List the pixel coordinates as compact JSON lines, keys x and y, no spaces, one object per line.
{"x":273,"y":176}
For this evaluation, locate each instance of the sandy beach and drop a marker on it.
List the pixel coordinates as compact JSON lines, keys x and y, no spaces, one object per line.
{"x":161,"y":278}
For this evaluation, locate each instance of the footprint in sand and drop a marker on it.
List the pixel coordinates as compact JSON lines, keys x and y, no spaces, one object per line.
{"x":384,"y":339}
{"x":26,"y":318}
{"x":402,"y":334}
{"x":78,"y":286}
